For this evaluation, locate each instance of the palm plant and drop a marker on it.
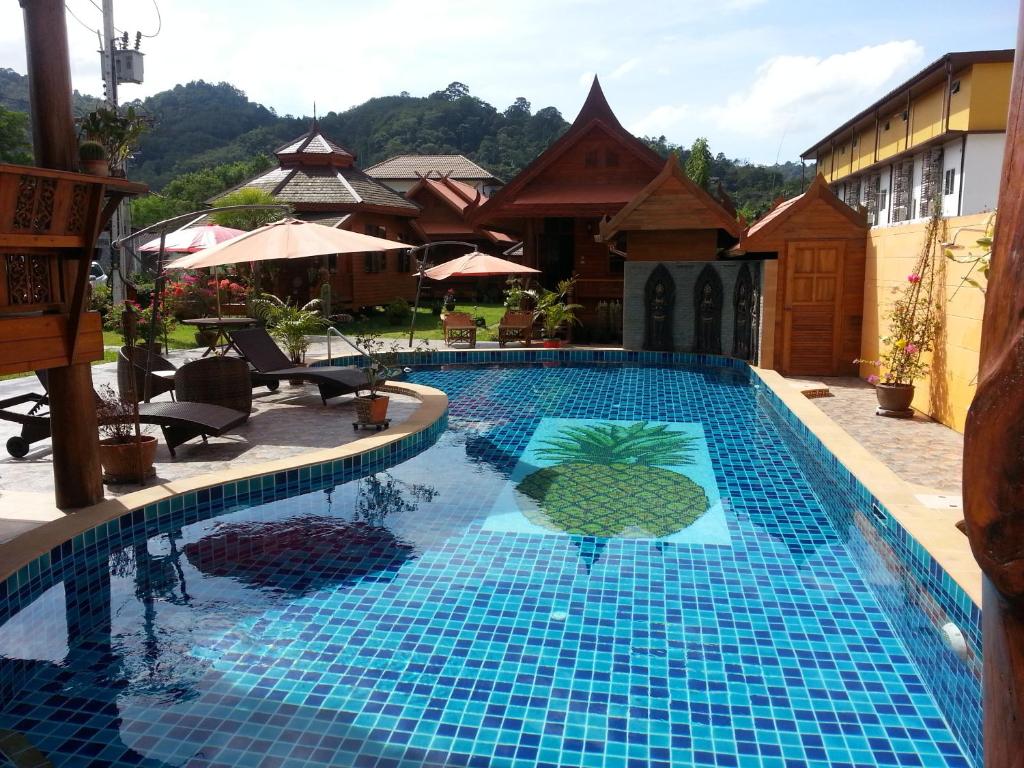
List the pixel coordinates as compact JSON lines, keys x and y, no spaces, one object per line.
{"x":289,"y":323}
{"x":554,"y":309}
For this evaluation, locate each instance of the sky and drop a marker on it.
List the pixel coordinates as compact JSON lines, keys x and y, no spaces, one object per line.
{"x":761,"y":79}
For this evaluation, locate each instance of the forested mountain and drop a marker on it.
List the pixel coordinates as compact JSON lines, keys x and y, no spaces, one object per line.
{"x":202,"y":126}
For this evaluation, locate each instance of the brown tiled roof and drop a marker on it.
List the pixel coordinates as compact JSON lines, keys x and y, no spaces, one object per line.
{"x":328,"y":186}
{"x":414,"y":166}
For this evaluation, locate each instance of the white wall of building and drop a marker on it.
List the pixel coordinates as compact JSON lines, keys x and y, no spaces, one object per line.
{"x":884,"y":194}
{"x":952,"y":153}
{"x":983,"y":163}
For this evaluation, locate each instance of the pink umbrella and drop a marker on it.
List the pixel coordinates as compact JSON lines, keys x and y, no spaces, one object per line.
{"x":192,"y":239}
{"x":477,"y":264}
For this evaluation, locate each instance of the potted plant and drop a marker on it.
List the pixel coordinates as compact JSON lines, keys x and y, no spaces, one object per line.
{"x":125,"y":454}
{"x":117,"y":131}
{"x":554,"y":311}
{"x":912,"y":326}
{"x":290,"y":324}
{"x":93,"y":158}
{"x":381,"y":364}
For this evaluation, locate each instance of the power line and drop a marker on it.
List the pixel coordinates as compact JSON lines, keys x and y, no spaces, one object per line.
{"x":100,"y":9}
{"x":159,"y":21}
{"x":75,"y":17}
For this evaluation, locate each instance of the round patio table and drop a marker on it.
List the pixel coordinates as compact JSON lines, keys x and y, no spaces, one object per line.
{"x":221,"y":325}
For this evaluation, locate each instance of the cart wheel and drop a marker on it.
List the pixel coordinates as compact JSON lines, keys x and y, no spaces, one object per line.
{"x":272,"y":386}
{"x":18,"y":447}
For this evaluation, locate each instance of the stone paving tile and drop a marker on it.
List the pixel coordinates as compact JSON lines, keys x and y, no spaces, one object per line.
{"x":284,"y":423}
{"x":919,"y":450}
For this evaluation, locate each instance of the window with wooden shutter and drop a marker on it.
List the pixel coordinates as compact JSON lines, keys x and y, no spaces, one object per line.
{"x":902,"y":189}
{"x":931,"y":178}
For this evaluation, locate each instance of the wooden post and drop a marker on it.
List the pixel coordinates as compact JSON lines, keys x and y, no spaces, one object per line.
{"x":76,"y":465}
{"x":994,"y":454}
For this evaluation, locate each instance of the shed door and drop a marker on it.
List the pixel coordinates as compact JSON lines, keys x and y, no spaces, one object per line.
{"x":813,"y":299}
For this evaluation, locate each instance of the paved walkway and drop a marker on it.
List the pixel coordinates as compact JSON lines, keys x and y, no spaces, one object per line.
{"x":290,"y":421}
{"x":921,"y":451}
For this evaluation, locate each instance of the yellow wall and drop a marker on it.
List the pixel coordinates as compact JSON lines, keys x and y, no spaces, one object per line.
{"x":926,"y":115}
{"x":990,"y":96}
{"x":891,"y":255}
{"x":894,"y":139}
{"x":864,"y":152}
{"x":960,"y":102}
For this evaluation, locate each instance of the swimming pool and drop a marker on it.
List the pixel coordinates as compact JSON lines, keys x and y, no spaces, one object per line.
{"x":720,"y":601}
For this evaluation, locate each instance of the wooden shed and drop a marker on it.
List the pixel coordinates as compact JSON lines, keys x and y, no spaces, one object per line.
{"x":817,"y":309}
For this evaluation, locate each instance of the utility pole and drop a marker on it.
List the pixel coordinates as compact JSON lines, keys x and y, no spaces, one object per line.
{"x":120,"y":222}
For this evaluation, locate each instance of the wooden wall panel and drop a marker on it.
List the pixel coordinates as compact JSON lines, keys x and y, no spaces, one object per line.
{"x":39,"y":342}
{"x":673,"y":245}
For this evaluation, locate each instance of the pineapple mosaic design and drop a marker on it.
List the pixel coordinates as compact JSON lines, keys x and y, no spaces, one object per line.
{"x":611,"y":481}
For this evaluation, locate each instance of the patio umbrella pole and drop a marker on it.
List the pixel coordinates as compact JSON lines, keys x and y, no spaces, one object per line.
{"x":154,"y":306}
{"x":419,"y":287}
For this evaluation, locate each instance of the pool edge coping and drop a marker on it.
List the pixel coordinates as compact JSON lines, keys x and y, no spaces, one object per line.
{"x":24,"y":548}
{"x":933,"y":529}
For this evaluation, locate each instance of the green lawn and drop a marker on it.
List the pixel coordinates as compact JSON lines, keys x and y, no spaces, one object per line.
{"x":428,"y":325}
{"x":182,"y":337}
{"x":109,"y":356}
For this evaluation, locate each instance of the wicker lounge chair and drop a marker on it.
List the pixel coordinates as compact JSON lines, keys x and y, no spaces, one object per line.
{"x":179,"y":422}
{"x":515,"y":326}
{"x":271,"y":365}
{"x":459,"y":327}
{"x":133,"y":360}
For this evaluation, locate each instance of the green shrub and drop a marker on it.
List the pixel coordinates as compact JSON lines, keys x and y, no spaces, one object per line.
{"x":398,"y":312}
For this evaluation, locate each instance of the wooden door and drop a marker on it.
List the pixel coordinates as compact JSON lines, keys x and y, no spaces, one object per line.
{"x":812,"y":308}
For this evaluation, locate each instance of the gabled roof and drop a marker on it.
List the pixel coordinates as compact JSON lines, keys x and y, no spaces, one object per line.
{"x":313,"y":148}
{"x":456,"y":194}
{"x":595,"y":114}
{"x":759,"y":233}
{"x":461,"y":199}
{"x":411,"y":167}
{"x":670,"y":201}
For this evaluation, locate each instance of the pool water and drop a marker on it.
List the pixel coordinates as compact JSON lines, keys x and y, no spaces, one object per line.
{"x":593,"y":566}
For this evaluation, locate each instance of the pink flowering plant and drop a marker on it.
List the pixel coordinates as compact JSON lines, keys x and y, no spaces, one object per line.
{"x":913,"y":323}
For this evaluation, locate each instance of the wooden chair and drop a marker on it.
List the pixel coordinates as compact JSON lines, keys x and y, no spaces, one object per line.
{"x":459,"y":327}
{"x":515,"y":326}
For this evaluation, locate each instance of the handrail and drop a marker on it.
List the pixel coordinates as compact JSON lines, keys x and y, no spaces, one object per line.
{"x":332,"y":330}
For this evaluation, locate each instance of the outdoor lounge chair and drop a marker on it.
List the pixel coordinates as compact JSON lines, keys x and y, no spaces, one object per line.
{"x":271,"y":365}
{"x":515,"y":326}
{"x":459,"y":326}
{"x":179,"y":422}
{"x":160,"y":376}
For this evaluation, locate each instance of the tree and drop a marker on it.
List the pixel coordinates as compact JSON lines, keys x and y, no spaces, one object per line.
{"x":453,"y":92}
{"x":698,"y":164}
{"x":15,"y":146}
{"x":247,"y":220}
{"x":518,"y":109}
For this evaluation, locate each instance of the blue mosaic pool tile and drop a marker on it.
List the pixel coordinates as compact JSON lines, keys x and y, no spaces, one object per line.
{"x":436,"y":642}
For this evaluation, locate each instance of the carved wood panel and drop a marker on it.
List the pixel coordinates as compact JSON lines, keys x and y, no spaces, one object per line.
{"x":28,"y":280}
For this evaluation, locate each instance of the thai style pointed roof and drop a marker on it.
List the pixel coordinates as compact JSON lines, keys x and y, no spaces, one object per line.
{"x":671,"y":201}
{"x":315,"y":173}
{"x":595,"y":116}
{"x":759,"y":234}
{"x":314,"y":148}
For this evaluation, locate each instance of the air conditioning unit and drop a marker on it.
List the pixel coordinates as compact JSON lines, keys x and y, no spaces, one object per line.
{"x":128,"y":66}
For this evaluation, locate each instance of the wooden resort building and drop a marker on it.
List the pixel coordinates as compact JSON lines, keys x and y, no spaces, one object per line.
{"x":446,"y":208}
{"x":558,"y":201}
{"x":814,"y":291}
{"x":320,"y":180}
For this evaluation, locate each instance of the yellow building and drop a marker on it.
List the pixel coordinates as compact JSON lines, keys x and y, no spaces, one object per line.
{"x":939,"y":135}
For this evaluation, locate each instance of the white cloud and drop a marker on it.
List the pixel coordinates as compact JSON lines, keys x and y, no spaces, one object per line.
{"x":660,"y":121}
{"x":801,"y":93}
{"x":625,"y":68}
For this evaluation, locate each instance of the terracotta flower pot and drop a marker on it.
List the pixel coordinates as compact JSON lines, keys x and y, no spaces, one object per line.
{"x":120,"y":461}
{"x":894,"y":399}
{"x":372,"y":410}
{"x":552,"y":343}
{"x":96,"y":167}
